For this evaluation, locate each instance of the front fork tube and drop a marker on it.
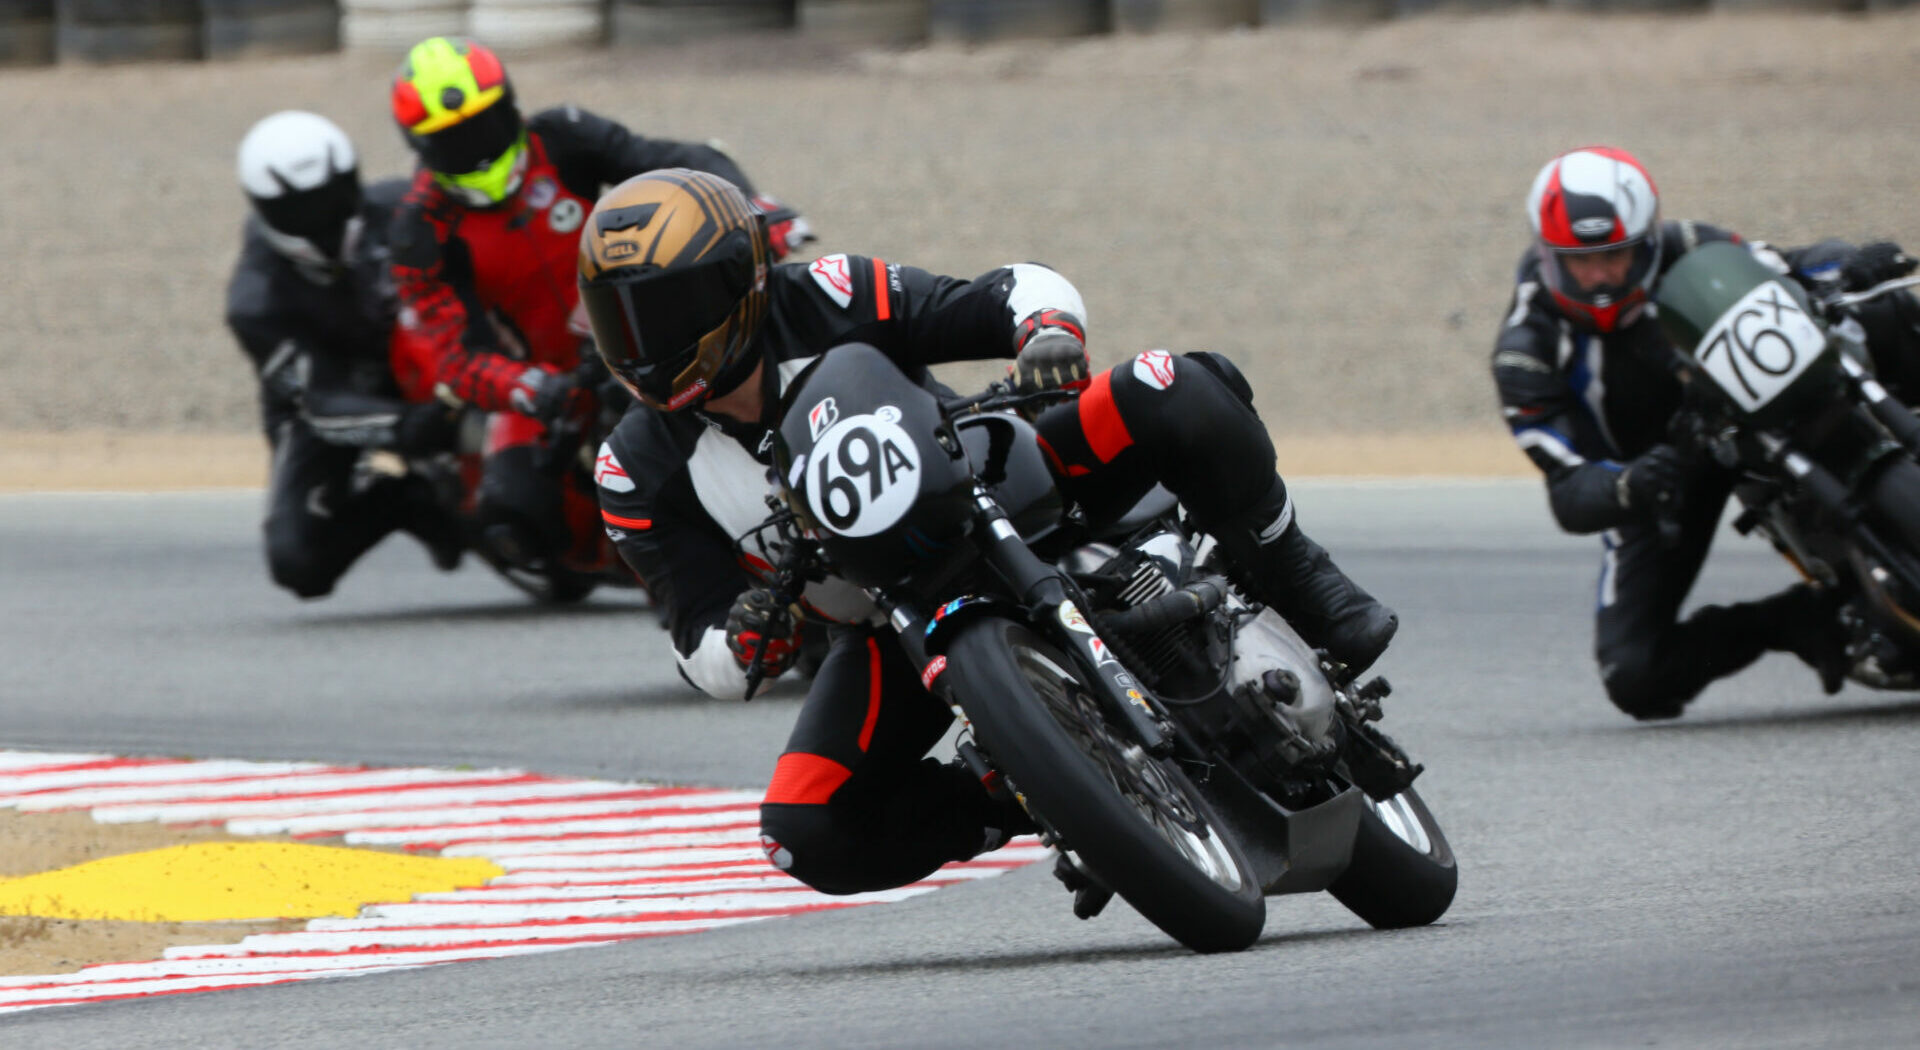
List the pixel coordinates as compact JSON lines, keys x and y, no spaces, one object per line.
{"x":1041,"y":589}
{"x":1887,"y":410}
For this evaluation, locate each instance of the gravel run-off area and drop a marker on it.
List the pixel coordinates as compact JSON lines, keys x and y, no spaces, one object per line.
{"x":1339,"y":209}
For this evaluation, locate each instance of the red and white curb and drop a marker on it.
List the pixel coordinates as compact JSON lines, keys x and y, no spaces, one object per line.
{"x":587,"y":862}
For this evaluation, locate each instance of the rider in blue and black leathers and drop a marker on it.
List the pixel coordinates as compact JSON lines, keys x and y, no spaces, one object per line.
{"x":1581,"y":368}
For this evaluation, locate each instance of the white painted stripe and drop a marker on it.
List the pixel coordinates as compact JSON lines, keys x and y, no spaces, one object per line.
{"x":772,"y":879}
{"x":480,"y":788}
{"x":615,"y":876}
{"x":400,"y":816}
{"x":294,"y":782}
{"x":190,"y":966}
{"x":169,"y":771}
{"x":556,"y":828}
{"x":349,"y":940}
{"x":18,"y":760}
{"x":506,"y":912}
{"x":669,"y":839}
{"x":663,"y":858}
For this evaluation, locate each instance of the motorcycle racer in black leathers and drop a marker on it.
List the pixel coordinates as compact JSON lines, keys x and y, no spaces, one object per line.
{"x":1581,"y":368}
{"x":312,"y":306}
{"x":688,"y":313}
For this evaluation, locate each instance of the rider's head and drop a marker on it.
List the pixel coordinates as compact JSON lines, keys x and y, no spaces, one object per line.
{"x":673,"y":273}
{"x":303,"y":180}
{"x":1596,"y":219}
{"x":455,"y":108}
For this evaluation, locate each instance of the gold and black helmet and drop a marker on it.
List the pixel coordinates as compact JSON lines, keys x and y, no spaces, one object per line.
{"x":673,"y":274}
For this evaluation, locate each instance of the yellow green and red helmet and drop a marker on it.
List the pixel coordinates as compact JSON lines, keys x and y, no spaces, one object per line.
{"x":455,"y":107}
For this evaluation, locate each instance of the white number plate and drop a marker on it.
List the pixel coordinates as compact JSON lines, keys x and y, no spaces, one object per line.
{"x":1760,"y":346}
{"x":865,"y":474}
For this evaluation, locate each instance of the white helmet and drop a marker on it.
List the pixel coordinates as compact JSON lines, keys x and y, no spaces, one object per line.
{"x":301,"y":175}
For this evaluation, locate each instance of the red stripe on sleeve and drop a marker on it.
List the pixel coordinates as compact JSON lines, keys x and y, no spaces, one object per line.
{"x":1100,"y":419}
{"x":882,"y":298}
{"x":807,"y":780}
{"x":626,"y":523}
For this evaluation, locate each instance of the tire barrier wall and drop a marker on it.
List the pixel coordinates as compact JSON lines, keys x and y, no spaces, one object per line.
{"x":1628,"y":5}
{"x":884,"y":23}
{"x":519,"y":25}
{"x":978,"y":21}
{"x":396,"y":25}
{"x":26,"y":33}
{"x":650,"y":23}
{"x":256,"y":28}
{"x":38,"y":32}
{"x":127,"y":30}
{"x":1151,"y":16}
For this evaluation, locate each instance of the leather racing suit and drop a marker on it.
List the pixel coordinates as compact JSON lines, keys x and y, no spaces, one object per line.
{"x":1582,"y":404}
{"x":320,"y":342}
{"x":854,"y":804}
{"x":459,"y":268}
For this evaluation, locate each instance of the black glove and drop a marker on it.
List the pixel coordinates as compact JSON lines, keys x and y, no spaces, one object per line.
{"x":1873,"y":263}
{"x":425,"y":429}
{"x":556,"y":396}
{"x":1053,"y":353}
{"x":757,"y":621}
{"x":1651,"y":483}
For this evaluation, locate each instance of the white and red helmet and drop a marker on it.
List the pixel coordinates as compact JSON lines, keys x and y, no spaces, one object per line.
{"x":1595,"y":199}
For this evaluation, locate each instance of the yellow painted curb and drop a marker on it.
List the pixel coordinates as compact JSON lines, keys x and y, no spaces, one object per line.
{"x":212,"y":881}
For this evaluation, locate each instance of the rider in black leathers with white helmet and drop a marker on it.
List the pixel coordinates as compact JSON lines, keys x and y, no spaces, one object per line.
{"x":312,"y":306}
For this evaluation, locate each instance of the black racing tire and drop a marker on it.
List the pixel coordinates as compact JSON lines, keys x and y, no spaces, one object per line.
{"x":1894,"y":504}
{"x":1136,"y":822}
{"x":1402,"y":873}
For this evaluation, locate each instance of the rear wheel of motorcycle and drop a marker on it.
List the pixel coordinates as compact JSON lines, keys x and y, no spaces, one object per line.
{"x":1402,"y":873}
{"x":1135,"y":821}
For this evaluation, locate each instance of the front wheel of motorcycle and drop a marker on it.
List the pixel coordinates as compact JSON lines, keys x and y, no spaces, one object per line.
{"x":1136,"y":821}
{"x":1402,"y":873}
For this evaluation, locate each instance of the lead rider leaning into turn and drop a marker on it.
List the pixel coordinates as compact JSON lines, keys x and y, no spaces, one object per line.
{"x":688,"y":313}
{"x":1580,"y":366}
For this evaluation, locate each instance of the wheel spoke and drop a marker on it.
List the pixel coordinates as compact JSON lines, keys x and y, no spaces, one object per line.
{"x":1137,"y":775}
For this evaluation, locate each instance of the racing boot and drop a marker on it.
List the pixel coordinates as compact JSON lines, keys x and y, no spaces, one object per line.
{"x":1805,"y":621}
{"x":428,"y":516}
{"x":1280,"y":566}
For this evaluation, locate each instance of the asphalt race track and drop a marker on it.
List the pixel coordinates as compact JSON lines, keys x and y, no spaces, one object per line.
{"x":1742,"y":878}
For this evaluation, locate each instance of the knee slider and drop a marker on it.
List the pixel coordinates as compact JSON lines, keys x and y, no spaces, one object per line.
{"x":1632,"y":686}
{"x":299,"y":571}
{"x":801,"y":840}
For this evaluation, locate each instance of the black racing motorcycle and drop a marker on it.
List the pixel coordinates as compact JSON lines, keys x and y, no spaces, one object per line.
{"x":1778,"y":387}
{"x":1176,"y":742}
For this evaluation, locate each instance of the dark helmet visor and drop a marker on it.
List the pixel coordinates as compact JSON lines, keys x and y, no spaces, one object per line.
{"x":472,"y":144}
{"x":319,"y":215}
{"x":648,"y":323}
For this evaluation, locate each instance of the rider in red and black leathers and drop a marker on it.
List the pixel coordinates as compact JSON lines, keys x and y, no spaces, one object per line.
{"x":484,"y":248}
{"x":1587,"y":391}
{"x":311,"y":304}
{"x":708,"y":338}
